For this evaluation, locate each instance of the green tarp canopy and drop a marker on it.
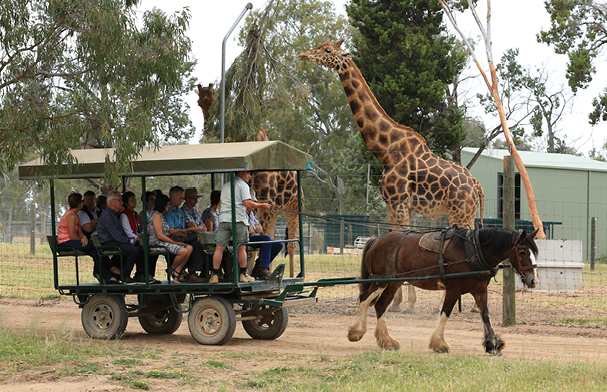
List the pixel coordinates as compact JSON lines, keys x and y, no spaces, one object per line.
{"x":180,"y":159}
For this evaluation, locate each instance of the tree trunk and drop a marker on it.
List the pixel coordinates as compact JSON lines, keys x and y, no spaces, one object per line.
{"x":535,"y":218}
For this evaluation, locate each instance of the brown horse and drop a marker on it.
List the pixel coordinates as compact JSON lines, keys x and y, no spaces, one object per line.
{"x":458,"y":271}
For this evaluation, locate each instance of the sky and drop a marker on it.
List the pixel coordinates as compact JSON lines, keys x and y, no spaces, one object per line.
{"x":514,"y":24}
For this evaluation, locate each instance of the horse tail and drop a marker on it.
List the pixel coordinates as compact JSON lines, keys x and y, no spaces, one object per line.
{"x":364,"y":273}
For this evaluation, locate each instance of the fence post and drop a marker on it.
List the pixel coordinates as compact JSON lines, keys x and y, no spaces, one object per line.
{"x":341,"y":237}
{"x":592,"y":242}
{"x":32,"y":229}
{"x":371,"y":220}
{"x":508,"y":301}
{"x":42,"y":227}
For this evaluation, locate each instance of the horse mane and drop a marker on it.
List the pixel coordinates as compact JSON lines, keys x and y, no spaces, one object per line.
{"x":494,"y":240}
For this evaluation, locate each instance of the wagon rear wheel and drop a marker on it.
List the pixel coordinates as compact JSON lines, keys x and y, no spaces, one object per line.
{"x":166,"y":321}
{"x":104,"y":316}
{"x":212,"y":320}
{"x":269,"y":326}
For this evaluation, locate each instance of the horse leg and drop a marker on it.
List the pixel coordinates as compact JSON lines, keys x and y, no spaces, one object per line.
{"x":492,"y":342}
{"x":358,"y":329}
{"x":437,"y":339}
{"x":382,"y":336}
{"x":398,"y":298}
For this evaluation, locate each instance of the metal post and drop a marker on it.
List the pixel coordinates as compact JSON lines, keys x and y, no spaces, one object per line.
{"x":592,"y":242}
{"x":341,"y":237}
{"x":32,"y":229}
{"x":223,"y":68}
{"x":508,"y":301}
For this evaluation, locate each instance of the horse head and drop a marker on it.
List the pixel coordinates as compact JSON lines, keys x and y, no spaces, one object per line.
{"x":524,"y":260}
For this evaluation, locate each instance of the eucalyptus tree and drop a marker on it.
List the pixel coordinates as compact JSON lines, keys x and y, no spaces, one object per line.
{"x":79,"y":73}
{"x":579,"y":29}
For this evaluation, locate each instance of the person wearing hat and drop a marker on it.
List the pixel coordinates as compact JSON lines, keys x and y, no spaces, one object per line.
{"x":192,"y":217}
{"x":175,"y":218}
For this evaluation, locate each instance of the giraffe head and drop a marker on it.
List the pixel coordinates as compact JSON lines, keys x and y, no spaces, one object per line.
{"x":205,"y":98}
{"x":261,"y":136}
{"x":329,"y":54}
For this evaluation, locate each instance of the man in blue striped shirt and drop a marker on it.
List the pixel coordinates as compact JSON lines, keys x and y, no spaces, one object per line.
{"x":176,"y":220}
{"x":109,"y":232}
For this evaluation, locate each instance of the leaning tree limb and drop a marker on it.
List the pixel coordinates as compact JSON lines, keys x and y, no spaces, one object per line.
{"x":493,"y":90}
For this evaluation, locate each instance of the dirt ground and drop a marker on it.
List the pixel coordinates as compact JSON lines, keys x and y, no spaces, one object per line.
{"x":312,"y":332}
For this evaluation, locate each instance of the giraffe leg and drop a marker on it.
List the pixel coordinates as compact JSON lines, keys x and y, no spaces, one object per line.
{"x":358,"y":329}
{"x":293,"y":227}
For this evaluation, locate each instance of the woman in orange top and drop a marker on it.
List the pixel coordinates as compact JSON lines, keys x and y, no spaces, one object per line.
{"x":70,"y":235}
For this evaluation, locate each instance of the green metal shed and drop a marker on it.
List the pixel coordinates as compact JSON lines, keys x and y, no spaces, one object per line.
{"x":568,"y":189}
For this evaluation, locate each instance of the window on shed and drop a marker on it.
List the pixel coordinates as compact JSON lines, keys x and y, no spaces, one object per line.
{"x":517,"y":195}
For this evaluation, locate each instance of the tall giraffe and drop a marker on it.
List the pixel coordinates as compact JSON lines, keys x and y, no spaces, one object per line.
{"x":280,"y":190}
{"x":205,"y":99}
{"x":414,"y":179}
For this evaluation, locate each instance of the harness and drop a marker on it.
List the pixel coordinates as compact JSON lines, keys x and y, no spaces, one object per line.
{"x":474,"y":255}
{"x":400,"y":244}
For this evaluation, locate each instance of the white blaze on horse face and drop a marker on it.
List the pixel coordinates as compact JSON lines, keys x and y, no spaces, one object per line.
{"x":531,"y":279}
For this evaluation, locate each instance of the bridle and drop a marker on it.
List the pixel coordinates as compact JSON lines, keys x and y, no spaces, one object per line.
{"x":520,"y":251}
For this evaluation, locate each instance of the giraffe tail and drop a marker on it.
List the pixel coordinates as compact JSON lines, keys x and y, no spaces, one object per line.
{"x":285,"y":249}
{"x":481,"y":196}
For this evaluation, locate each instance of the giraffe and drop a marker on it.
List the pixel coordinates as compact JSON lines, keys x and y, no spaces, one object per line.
{"x":205,"y":99}
{"x":280,"y":190}
{"x":414,"y":179}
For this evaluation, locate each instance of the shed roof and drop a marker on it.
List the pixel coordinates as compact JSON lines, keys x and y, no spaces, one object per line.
{"x":543,"y":159}
{"x":179,"y":159}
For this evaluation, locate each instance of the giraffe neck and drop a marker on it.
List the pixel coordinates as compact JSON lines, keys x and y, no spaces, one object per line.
{"x":382,"y":135}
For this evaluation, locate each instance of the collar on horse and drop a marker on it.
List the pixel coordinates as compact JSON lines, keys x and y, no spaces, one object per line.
{"x":474,"y":255}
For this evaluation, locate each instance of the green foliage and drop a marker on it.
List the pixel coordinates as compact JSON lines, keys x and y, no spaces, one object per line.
{"x":81,"y":73}
{"x":579,"y":29}
{"x":408,"y":59}
{"x":528,"y":94}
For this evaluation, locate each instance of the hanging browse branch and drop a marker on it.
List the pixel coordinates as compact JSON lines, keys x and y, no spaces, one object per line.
{"x":492,"y":85}
{"x":254,"y":82}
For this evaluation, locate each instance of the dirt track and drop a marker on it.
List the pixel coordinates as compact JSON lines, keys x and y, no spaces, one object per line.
{"x":314,"y":331}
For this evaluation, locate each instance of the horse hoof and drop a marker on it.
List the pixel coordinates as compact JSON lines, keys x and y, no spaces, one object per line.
{"x":442,"y":350}
{"x":354,"y":337}
{"x":391,"y":345}
{"x":496,"y":353}
{"x":394,"y":309}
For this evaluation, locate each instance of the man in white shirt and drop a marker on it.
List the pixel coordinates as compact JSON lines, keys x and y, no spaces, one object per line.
{"x":89,"y":214}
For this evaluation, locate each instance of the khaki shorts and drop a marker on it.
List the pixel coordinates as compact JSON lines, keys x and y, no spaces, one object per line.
{"x":224,"y":232}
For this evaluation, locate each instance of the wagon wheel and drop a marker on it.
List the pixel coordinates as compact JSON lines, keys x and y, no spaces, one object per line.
{"x":269,"y":326}
{"x":104,"y":317}
{"x":212,"y":320}
{"x":166,"y":321}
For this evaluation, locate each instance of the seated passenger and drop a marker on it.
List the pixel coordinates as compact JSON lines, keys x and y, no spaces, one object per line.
{"x":150,"y":200}
{"x":192,"y":217}
{"x":159,"y":235}
{"x":89,"y":214}
{"x":267,"y":252}
{"x":210,"y":216}
{"x":109,"y":232}
{"x":101,"y":203}
{"x":178,"y":231}
{"x":69,"y":234}
{"x":131,"y":225}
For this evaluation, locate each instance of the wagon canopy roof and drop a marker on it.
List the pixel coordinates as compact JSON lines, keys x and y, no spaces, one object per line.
{"x":178,"y":159}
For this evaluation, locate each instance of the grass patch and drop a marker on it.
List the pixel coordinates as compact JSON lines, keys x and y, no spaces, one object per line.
{"x":216,"y":364}
{"x":582,"y":321}
{"x":127,"y":362}
{"x":167,"y":374}
{"x":387,"y":371}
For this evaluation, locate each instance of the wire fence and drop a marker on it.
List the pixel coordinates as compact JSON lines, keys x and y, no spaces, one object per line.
{"x":572,"y":261}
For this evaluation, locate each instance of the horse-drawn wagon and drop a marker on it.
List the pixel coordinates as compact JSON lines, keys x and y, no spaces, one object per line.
{"x":214,"y":309}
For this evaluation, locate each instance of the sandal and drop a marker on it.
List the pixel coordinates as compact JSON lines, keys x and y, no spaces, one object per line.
{"x":176,"y":276}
